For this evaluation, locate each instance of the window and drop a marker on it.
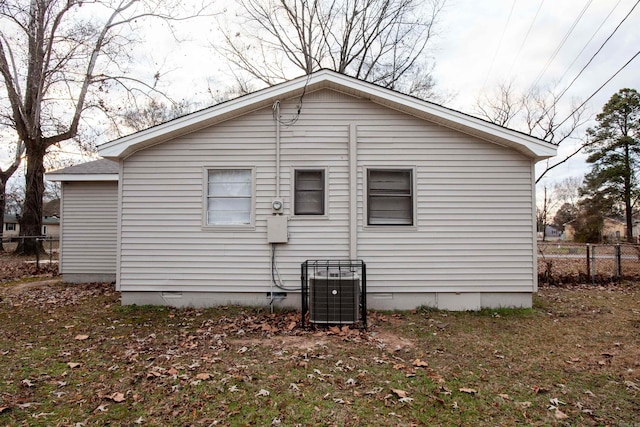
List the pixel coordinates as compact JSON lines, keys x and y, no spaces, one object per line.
{"x":389,"y":197}
{"x":309,"y":192}
{"x":10,"y":226}
{"x":229,"y":197}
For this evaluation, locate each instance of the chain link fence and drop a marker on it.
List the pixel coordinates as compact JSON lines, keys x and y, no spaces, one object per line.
{"x":44,"y":261}
{"x":579,"y":263}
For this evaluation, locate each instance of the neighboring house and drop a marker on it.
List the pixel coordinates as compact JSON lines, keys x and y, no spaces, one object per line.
{"x":440,"y":205}
{"x":11,"y":227}
{"x":550,"y":233}
{"x":89,"y":221}
{"x":613,"y":230}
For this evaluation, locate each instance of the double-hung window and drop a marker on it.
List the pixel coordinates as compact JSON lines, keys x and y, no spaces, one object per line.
{"x":229,"y":198}
{"x":309,"y":188}
{"x":10,"y":226}
{"x":390,"y":197}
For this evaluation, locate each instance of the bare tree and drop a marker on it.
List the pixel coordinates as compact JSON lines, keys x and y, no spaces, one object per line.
{"x":152,"y":113}
{"x":535,"y":113}
{"x":58,"y":59}
{"x":385,"y":42}
{"x":5,"y":174}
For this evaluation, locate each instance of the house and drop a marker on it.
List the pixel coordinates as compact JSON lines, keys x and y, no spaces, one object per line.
{"x":440,"y":205}
{"x":11,"y":227}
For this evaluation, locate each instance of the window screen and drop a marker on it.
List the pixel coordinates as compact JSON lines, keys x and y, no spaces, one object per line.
{"x":229,"y":197}
{"x":389,"y":197}
{"x":309,"y":192}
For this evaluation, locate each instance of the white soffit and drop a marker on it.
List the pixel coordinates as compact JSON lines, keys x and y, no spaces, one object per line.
{"x":530,"y":146}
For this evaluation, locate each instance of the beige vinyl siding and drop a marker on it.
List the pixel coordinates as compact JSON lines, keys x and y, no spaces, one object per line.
{"x":89,"y":229}
{"x":473,"y":227}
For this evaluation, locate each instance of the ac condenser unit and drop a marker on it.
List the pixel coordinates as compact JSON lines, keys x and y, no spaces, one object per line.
{"x":334,"y":297}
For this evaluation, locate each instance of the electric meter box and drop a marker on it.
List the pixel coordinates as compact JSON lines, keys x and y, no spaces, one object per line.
{"x":277,"y":229}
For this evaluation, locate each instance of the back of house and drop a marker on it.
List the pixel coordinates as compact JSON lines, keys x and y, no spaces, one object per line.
{"x":224,"y":205}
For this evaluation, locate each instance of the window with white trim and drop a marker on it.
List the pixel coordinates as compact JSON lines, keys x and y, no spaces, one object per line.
{"x":10,"y":226}
{"x":229,"y":198}
{"x":389,"y":197}
{"x":309,"y":188}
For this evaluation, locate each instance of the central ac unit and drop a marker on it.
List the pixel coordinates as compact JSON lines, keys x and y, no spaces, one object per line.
{"x":334,"y":296}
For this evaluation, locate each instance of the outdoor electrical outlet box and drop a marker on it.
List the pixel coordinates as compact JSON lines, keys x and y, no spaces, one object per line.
{"x":277,"y":231}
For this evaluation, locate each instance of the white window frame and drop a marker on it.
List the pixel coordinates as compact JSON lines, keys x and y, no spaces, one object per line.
{"x":414,"y":197}
{"x":10,"y":226}
{"x":325,"y":170}
{"x":205,"y":199}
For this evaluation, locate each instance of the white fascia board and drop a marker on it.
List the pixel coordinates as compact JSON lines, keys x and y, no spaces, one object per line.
{"x":528,"y":145}
{"x":81,"y":177}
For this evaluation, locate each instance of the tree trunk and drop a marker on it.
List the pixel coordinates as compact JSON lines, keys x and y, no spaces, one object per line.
{"x":3,"y":204}
{"x":31,"y":220}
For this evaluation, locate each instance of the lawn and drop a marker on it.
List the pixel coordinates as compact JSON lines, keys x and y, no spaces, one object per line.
{"x":72,"y":356}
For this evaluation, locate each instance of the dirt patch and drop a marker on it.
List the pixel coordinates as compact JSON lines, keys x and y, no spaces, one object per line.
{"x":20,"y":287}
{"x":392,"y":342}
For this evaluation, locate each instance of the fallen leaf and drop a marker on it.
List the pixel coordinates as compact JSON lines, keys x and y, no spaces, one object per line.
{"x":140,"y":420}
{"x":631,"y":384}
{"x":560,"y":415}
{"x":74,"y":364}
{"x":467,"y":390}
{"x":28,"y":382}
{"x":172,"y":371}
{"x":399,"y":393}
{"x":262,"y":392}
{"x":101,"y":408}
{"x":203,"y":376}
{"x":116,"y":397}
{"x":406,"y":400}
{"x":505,"y":396}
{"x":420,"y":363}
{"x":81,"y":337}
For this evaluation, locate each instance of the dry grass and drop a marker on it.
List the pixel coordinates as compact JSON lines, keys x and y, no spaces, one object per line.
{"x":72,"y":356}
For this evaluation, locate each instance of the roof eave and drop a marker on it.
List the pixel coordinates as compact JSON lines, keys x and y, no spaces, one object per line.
{"x":80,"y":177}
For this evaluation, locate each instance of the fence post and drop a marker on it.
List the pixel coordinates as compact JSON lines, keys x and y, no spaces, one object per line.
{"x":588,"y":260}
{"x":593,"y":265}
{"x":618,"y":263}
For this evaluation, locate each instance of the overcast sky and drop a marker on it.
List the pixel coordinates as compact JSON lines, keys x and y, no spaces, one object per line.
{"x":484,"y":43}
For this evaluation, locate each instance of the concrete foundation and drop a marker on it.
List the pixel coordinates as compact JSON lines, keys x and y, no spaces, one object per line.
{"x":377,"y":301}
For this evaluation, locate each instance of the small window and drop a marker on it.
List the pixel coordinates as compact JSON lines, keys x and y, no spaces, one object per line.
{"x":309,"y":192}
{"x":229,"y":197}
{"x":10,"y":226}
{"x":389,"y":197}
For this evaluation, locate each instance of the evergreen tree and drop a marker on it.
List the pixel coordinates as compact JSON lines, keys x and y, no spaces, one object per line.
{"x":614,"y":152}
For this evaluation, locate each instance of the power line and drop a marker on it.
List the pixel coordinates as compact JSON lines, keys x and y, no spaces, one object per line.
{"x":595,"y":54}
{"x":599,"y":89}
{"x":526,"y":36}
{"x":564,"y":40}
{"x":504,"y":30}
{"x":590,"y":39}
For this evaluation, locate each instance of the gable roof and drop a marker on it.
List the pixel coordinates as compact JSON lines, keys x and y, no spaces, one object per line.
{"x":326,"y":79}
{"x":97,"y":170}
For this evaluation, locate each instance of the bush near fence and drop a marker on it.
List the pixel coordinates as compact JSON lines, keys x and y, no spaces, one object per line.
{"x":566,"y":263}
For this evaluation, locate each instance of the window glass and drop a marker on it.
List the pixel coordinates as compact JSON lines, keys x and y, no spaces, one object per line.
{"x":229,"y":197}
{"x":389,"y":197}
{"x":309,"y":192}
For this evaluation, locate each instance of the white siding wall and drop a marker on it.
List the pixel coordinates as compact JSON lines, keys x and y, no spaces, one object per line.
{"x":89,"y":231}
{"x":474,"y":205}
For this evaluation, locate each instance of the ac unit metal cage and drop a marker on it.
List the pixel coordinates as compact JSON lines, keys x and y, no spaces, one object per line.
{"x":334,"y":292}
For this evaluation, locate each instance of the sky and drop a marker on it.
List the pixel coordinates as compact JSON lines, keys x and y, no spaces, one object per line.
{"x":479,"y":45}
{"x":485,"y":43}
